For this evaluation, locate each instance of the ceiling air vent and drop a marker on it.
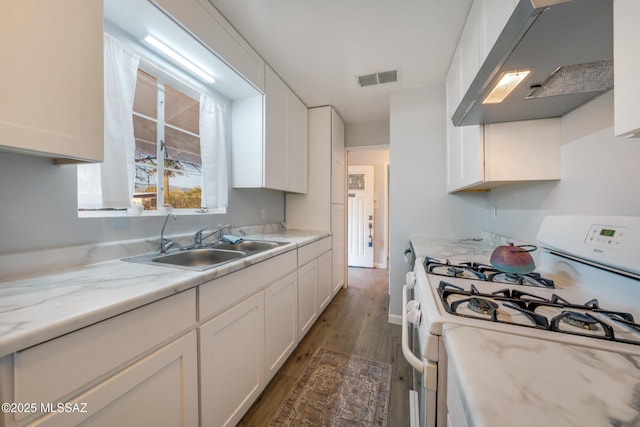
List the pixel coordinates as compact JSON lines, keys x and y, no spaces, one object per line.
{"x":378,"y":78}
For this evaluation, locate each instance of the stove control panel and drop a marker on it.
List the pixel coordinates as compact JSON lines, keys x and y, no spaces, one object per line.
{"x":608,"y":241}
{"x":605,"y":236}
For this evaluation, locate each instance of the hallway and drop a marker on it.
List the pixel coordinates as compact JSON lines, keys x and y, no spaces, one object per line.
{"x":354,"y":323}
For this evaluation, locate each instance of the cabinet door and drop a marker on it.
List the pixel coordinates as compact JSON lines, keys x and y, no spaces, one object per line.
{"x":470,"y":47}
{"x":337,"y":137}
{"x":276,"y":147}
{"x":494,"y":15}
{"x":51,"y":79}
{"x":338,"y":258}
{"x":280,"y":322}
{"x":626,"y":34}
{"x":298,"y":137}
{"x":512,"y":148}
{"x":159,"y":390}
{"x":232,"y":362}
{"x":472,"y":155}
{"x":307,"y":296}
{"x":325,"y":290}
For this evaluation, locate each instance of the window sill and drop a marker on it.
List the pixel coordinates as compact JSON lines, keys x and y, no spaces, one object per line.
{"x":160,"y":212}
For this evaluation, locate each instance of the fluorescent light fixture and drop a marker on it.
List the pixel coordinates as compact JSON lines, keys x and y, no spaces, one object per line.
{"x":179,"y":58}
{"x":508,"y":82}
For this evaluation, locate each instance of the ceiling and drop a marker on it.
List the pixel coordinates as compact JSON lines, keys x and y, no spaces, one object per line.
{"x":320,"y":47}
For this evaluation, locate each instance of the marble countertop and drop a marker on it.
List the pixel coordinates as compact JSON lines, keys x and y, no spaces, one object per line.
{"x":509,"y":380}
{"x":44,"y":306}
{"x":466,"y":249}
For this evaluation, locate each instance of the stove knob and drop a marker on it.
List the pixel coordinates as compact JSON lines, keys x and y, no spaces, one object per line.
{"x":413,"y":305}
{"x":414,"y":317}
{"x":410,"y":278}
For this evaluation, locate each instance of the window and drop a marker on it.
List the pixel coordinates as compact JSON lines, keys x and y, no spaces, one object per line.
{"x":166,"y":127}
{"x":164,"y":139}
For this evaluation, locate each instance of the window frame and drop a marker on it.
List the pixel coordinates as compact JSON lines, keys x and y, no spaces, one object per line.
{"x":167,"y":73}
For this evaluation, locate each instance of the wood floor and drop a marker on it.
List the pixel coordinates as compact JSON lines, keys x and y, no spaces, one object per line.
{"x":354,"y":323}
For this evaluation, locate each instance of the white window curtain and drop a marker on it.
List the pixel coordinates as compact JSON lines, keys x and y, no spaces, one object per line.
{"x":110,"y":184}
{"x":213,"y":153}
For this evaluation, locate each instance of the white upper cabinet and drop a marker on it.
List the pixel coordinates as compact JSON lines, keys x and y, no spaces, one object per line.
{"x":626,"y":34}
{"x":277,"y":158}
{"x":276,"y":151}
{"x":51,"y":83}
{"x":208,"y":25}
{"x":480,"y":157}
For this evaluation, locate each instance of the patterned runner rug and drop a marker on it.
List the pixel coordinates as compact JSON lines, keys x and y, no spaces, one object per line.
{"x":337,"y":390}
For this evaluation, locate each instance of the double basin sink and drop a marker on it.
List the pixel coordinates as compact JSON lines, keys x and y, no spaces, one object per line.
{"x":207,"y":257}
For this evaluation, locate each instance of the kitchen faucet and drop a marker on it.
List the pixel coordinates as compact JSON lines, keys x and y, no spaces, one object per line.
{"x":165,"y":244}
{"x":199,"y":236}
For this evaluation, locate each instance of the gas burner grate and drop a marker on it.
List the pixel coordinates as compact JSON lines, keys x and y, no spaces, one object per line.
{"x":485,"y":273}
{"x":583,"y":319}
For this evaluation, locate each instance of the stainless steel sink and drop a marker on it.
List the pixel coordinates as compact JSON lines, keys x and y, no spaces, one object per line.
{"x":208,"y":257}
{"x":199,"y":257}
{"x":248,"y":245}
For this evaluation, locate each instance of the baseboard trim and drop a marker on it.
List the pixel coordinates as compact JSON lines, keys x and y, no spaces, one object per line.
{"x":395,"y":319}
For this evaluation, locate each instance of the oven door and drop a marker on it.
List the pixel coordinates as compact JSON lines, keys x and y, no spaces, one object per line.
{"x":423,"y":397}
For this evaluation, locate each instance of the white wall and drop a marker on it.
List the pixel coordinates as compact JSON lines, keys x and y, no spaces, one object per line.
{"x":38,"y":204}
{"x":377,"y":159}
{"x":600,"y":175}
{"x":419,"y":203}
{"x":366,"y":133}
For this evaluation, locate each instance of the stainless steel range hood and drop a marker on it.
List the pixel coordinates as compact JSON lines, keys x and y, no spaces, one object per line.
{"x":542,"y":36}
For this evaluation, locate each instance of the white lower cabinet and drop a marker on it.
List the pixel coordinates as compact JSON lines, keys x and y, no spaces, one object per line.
{"x":307,"y":296}
{"x":339,"y":255}
{"x":159,"y":390}
{"x":280,"y":322}
{"x":231,"y":362}
{"x":315,"y":286}
{"x":116,"y":367}
{"x":146,"y":366}
{"x":325,"y":288}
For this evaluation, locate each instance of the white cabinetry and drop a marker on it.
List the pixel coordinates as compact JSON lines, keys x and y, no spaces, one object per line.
{"x":280,"y":322}
{"x":51,"y":79}
{"x":480,"y":157}
{"x":501,"y":153}
{"x":339,"y":254}
{"x":322,"y":208}
{"x":626,"y":34}
{"x":314,"y":282}
{"x":209,"y":26}
{"x":307,"y":296}
{"x":114,"y":366}
{"x":276,"y":158}
{"x":232,"y":362}
{"x":325,"y":288}
{"x":286,"y":139}
{"x":248,"y":322}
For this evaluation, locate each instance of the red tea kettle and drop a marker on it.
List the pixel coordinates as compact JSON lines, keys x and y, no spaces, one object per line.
{"x":513,"y":259}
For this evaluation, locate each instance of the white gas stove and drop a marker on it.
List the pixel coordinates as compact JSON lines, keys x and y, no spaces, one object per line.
{"x":585,"y":291}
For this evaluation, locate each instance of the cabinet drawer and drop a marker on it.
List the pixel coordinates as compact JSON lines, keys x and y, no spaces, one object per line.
{"x":221,"y":293}
{"x":60,"y":367}
{"x":307,"y":253}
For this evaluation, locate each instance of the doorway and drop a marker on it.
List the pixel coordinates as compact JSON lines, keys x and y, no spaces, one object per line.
{"x":360,"y":188}
{"x":378,"y":159}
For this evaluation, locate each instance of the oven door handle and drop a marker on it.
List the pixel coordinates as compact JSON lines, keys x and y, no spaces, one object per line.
{"x":429,"y":370}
